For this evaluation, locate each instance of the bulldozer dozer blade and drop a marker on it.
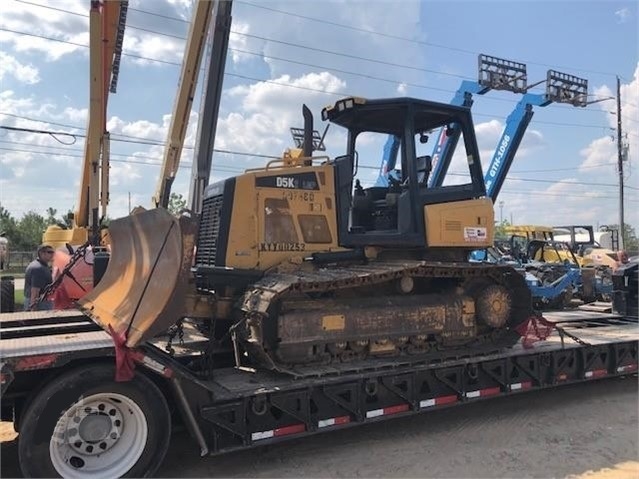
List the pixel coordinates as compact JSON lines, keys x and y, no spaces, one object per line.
{"x":143,"y":290}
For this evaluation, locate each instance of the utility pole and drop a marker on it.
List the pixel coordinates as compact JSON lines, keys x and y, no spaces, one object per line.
{"x":501,"y":212}
{"x":620,"y":164}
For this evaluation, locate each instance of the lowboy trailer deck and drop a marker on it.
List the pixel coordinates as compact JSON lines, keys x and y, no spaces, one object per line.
{"x":60,"y":364}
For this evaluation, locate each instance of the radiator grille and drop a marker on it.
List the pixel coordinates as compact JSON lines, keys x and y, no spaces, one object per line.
{"x":209,"y":231}
{"x":452,"y":225}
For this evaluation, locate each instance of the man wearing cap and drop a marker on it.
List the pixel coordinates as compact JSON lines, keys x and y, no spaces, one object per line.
{"x":36,"y":277}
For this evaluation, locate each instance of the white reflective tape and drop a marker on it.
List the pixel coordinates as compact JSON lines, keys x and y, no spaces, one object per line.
{"x":374,"y":413}
{"x":473,"y":394}
{"x":589,"y":374}
{"x":256,"y":436}
{"x":427,"y":403}
{"x":627,"y":367}
{"x":515,"y":387}
{"x":326,"y":422}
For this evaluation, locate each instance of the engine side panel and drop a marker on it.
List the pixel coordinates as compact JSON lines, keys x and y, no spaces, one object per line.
{"x":465,"y":224}
{"x":280,"y":214}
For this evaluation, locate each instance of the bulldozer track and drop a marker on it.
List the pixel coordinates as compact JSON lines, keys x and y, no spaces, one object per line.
{"x":276,"y":289}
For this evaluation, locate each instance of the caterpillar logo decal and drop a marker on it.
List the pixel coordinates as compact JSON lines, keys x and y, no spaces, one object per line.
{"x":297,"y":181}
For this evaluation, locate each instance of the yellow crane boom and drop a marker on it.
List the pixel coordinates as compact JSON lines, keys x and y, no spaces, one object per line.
{"x":193,"y":53}
{"x":107,"y":20}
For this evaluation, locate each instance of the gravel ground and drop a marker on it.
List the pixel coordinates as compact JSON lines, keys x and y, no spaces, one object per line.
{"x":573,"y":430}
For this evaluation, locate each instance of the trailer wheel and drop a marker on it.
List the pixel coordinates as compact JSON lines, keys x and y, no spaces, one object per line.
{"x":84,"y":424}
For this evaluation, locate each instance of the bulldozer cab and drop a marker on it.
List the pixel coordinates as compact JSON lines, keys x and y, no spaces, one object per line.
{"x":394,"y":215}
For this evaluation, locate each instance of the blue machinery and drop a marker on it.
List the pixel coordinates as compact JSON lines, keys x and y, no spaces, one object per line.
{"x":560,"y":88}
{"x":494,"y":74}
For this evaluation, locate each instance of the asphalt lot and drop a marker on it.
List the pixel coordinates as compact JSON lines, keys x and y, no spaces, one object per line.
{"x":554,"y":433}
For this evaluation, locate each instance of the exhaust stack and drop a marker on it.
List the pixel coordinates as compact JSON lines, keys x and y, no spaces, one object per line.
{"x":307,"y":147}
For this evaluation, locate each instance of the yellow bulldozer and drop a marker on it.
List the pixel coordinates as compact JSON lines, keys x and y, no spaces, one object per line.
{"x":297,"y":262}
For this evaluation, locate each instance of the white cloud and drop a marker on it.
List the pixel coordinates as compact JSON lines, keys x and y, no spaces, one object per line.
{"x":24,"y":73}
{"x":623,"y":14}
{"x":238,"y":41}
{"x":600,"y":155}
{"x":47,"y":23}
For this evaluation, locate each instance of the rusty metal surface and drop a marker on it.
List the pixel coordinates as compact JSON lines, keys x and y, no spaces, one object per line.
{"x":142,"y":292}
{"x":383,"y":317}
{"x":275,"y":289}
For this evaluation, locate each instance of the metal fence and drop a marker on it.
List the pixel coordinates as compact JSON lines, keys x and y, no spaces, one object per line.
{"x":18,"y":260}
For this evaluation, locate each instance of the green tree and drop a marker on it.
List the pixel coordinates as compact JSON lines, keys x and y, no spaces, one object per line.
{"x":51,"y":219}
{"x":630,"y":240}
{"x":500,"y":229}
{"x":67,"y":220}
{"x":176,"y":203}
{"x":8,"y":225}
{"x":31,"y":227}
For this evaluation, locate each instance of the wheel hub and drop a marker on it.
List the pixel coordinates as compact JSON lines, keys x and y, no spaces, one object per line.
{"x":94,"y":428}
{"x":494,"y":305}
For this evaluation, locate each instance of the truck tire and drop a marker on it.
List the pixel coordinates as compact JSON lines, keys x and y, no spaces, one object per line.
{"x":84,"y":424}
{"x":7,"y":295}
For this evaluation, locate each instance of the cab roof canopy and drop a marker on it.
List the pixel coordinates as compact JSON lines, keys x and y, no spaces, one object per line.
{"x":388,"y":115}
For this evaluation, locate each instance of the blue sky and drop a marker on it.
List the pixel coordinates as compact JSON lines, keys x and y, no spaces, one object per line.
{"x":382,"y":49}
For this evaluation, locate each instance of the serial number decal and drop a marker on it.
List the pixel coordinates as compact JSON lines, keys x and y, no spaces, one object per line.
{"x":277,"y":247}
{"x":299,"y":196}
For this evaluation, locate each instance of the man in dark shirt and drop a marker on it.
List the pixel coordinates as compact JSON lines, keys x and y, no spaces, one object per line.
{"x":36,"y":277}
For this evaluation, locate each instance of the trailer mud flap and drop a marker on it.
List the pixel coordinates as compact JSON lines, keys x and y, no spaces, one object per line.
{"x":142,"y":291}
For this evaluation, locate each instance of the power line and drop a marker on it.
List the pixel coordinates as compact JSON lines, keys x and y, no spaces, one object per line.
{"x":530,"y":180}
{"x":374,"y":32}
{"x":545,"y":170}
{"x":52,"y":134}
{"x":439,"y":72}
{"x":286,"y":85}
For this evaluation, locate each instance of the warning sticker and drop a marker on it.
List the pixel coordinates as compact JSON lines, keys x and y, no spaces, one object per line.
{"x":475,"y":234}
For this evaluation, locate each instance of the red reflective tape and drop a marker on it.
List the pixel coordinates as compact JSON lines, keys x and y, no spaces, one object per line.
{"x":438,"y":401}
{"x":445,"y":399}
{"x":286,"y":430}
{"x":35,"y":362}
{"x":333,"y":421}
{"x":483,"y":392}
{"x":562,"y":377}
{"x":490,"y":391}
{"x":342,"y":420}
{"x":596,"y":373}
{"x":521,"y":386}
{"x":395,"y":409}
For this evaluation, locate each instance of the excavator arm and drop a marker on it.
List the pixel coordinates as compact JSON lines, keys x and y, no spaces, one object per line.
{"x":184,"y":99}
{"x":107,"y":21}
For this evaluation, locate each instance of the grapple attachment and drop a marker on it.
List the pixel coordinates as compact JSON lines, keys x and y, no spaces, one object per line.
{"x":143,"y":289}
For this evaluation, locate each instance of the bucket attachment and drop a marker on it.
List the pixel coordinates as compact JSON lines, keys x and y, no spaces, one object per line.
{"x":143,"y":290}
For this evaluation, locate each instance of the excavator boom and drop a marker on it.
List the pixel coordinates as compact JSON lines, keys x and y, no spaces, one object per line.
{"x":107,"y":21}
{"x":184,"y":100}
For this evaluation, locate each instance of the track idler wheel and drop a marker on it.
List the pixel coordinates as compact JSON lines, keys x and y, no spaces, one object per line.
{"x":493,"y":305}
